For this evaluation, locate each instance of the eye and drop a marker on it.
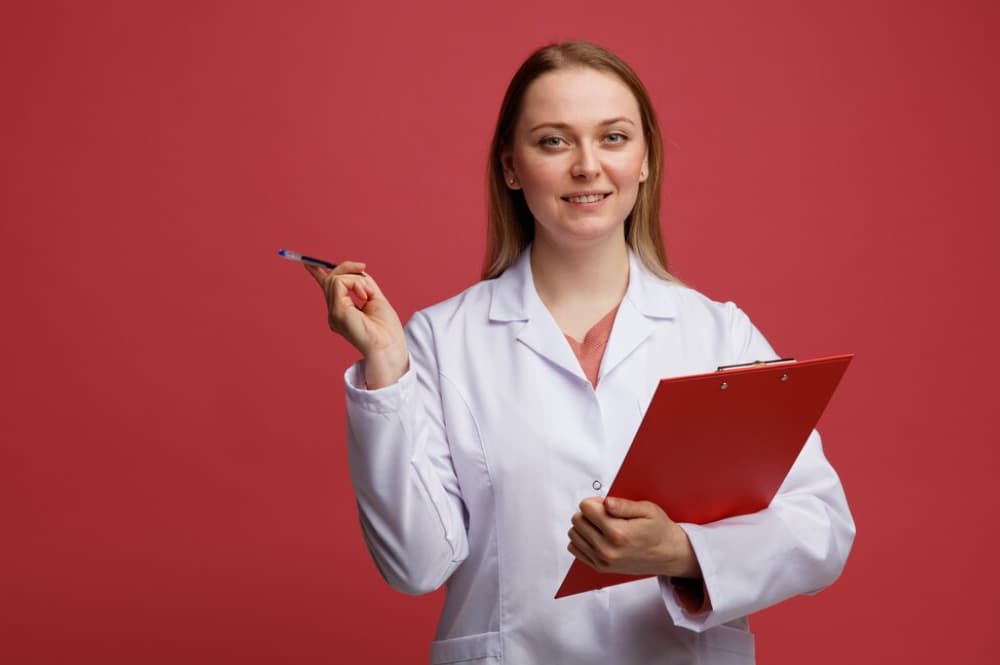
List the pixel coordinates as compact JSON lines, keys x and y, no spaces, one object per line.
{"x":616,"y":138}
{"x":551,"y":142}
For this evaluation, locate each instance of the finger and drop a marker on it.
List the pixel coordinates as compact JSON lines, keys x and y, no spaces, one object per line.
{"x":593,"y":510}
{"x":376,"y":291}
{"x":359,"y":295}
{"x":575,"y":550}
{"x":318,"y":273}
{"x":341,"y":295}
{"x":349,"y":268}
{"x":344,"y":268}
{"x":582,"y":546}
{"x":368,"y":288}
{"x":625,"y":509}
{"x":587,"y":530}
{"x":350,"y":280}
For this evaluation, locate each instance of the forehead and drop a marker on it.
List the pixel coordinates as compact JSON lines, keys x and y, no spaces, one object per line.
{"x":577,"y":96}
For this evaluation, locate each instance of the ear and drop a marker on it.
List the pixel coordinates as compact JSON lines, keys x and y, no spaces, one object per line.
{"x":509,"y":174}
{"x":644,"y":169}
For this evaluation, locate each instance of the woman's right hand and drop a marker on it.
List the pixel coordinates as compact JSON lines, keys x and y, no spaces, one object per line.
{"x":360,"y":313}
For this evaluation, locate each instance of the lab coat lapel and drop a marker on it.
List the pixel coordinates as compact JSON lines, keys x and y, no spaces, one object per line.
{"x":515,"y":300}
{"x":541,"y":334}
{"x":647,"y":299}
{"x":630,"y":329}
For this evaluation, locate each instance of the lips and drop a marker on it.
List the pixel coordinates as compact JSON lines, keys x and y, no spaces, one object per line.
{"x":586,"y":197}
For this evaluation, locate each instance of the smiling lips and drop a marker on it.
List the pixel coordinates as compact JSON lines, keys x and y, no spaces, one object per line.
{"x":592,"y":197}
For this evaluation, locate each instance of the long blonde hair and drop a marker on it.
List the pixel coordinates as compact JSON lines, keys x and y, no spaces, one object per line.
{"x":510,"y":225}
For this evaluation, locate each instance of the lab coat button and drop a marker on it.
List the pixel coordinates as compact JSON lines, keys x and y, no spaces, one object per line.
{"x":597,"y":485}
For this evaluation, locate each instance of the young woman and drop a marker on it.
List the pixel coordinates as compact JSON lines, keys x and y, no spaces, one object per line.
{"x":494,"y":422}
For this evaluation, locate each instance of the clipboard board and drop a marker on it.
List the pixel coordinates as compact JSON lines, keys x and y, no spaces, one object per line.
{"x":717,"y":445}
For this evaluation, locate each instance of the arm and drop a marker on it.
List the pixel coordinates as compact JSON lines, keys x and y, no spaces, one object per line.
{"x":411,"y":511}
{"x":409,"y":501}
{"x":798,"y":544}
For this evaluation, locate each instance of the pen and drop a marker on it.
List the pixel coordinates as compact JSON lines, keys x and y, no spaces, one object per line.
{"x":295,"y":256}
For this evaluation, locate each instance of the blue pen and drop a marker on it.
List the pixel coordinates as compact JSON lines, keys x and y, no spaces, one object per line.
{"x":295,"y":256}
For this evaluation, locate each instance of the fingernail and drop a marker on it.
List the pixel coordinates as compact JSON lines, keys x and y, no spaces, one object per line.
{"x":611,"y":503}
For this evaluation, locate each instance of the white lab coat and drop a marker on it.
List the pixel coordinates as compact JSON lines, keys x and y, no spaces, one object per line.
{"x":468,"y":470}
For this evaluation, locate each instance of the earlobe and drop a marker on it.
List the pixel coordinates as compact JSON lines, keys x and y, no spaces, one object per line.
{"x":507,"y":165}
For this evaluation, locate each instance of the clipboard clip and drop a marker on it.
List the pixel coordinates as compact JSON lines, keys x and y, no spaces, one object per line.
{"x":756,"y":363}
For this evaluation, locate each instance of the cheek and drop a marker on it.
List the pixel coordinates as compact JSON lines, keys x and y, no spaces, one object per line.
{"x":539,"y":178}
{"x":540,"y":186}
{"x":627,"y":171}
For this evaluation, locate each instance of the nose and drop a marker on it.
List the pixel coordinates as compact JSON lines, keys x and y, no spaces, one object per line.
{"x":586,"y":166}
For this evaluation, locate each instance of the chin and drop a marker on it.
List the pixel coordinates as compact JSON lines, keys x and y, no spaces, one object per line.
{"x":579,"y":234}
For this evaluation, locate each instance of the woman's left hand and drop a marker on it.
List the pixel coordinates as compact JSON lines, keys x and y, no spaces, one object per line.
{"x":636,"y":537}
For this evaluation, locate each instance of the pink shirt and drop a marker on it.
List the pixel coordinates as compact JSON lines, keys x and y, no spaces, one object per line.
{"x":591,"y":350}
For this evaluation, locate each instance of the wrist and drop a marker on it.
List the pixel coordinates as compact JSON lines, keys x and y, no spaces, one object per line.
{"x":385,"y":368}
{"x":684,"y":561}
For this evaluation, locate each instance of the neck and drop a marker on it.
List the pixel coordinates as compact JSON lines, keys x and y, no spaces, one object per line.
{"x":595,"y":274}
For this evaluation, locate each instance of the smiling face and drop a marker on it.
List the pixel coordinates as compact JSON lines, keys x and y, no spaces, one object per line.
{"x":578,"y":154}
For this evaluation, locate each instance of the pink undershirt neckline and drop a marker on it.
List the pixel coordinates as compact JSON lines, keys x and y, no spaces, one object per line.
{"x":590,"y":351}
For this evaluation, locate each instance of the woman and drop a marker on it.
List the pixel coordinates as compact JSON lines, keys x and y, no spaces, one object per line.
{"x":495,"y":421}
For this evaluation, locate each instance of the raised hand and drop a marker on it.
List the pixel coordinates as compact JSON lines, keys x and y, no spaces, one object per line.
{"x":361,"y":314}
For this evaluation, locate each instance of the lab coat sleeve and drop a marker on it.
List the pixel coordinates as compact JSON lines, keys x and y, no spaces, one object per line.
{"x":798,"y":544}
{"x":409,"y":502}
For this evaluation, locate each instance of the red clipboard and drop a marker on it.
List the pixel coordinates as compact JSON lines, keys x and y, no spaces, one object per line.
{"x":716,"y":445}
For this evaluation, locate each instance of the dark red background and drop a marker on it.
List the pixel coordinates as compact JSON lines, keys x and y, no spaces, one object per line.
{"x":174,"y":484}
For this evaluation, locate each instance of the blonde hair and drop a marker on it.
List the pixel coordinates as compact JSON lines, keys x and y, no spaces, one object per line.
{"x":510,"y":225}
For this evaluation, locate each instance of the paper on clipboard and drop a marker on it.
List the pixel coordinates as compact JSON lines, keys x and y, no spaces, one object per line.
{"x":720,"y":444}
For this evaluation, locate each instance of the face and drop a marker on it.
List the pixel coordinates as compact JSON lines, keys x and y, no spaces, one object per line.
{"x":578,"y":154}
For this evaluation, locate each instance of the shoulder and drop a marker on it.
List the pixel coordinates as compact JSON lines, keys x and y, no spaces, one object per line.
{"x":470,"y":307}
{"x":702,"y":322}
{"x":700,"y":308}
{"x":474,"y":299}
{"x":661,"y":298}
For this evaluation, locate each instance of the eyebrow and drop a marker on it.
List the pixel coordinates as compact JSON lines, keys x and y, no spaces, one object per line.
{"x":563,"y":125}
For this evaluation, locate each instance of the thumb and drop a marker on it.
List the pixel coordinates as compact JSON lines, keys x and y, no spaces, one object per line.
{"x":625,"y":509}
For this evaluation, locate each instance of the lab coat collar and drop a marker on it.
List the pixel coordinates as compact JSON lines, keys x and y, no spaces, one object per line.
{"x":647,"y":298}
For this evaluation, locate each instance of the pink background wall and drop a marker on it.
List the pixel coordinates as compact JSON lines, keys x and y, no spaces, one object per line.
{"x":174,"y":484}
